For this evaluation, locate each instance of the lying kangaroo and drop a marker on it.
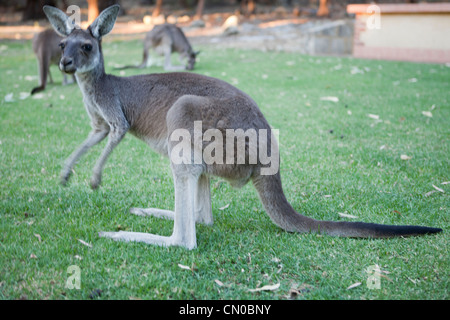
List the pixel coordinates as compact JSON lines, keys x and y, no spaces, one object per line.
{"x":156,"y":108}
{"x":166,"y":39}
{"x":45,"y":46}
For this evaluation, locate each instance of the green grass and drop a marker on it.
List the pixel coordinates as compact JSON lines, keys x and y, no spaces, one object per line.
{"x":324,"y":173}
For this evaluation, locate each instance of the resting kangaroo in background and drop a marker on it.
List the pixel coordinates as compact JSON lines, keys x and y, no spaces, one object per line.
{"x":157,"y":108}
{"x":46,"y":47}
{"x":166,"y":39}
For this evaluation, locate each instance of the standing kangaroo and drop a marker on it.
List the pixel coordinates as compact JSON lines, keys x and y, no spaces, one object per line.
{"x":166,"y":39}
{"x":46,"y":47}
{"x":156,"y":107}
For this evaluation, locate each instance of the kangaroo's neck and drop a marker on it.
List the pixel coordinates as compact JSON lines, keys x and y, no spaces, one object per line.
{"x":92,"y":79}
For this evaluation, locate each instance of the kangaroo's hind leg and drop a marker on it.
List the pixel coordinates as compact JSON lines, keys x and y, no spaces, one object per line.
{"x":203,"y":210}
{"x":186,"y":183}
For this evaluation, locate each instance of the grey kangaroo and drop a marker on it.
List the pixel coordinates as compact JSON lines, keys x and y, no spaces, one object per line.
{"x":46,"y":47}
{"x":155,"y":107}
{"x":166,"y":39}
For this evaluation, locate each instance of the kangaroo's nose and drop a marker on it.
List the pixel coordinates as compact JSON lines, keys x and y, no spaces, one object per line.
{"x":65,"y":61}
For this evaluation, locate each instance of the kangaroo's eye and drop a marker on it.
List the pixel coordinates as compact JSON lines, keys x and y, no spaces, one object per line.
{"x":62,"y":46}
{"x":86,"y":47}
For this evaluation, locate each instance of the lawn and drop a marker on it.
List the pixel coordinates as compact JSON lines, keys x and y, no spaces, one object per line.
{"x":368,"y":139}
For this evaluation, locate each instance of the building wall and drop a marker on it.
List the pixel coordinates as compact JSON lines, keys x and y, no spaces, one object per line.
{"x":409,"y":33}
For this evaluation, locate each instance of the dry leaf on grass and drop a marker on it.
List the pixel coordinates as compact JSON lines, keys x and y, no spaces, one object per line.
{"x":38,"y":236}
{"x":9,"y":97}
{"x":266,"y":288}
{"x":218,"y":282}
{"x":405,"y":157}
{"x":224,"y":207}
{"x":332,"y":99}
{"x":85,"y":243}
{"x":23,"y":95}
{"x":357,"y":284}
{"x":427,"y":114}
{"x":438,"y":189}
{"x":373,"y":116}
{"x":445,"y":182}
{"x":184,"y":267}
{"x":345,"y":215}
{"x":430,"y":193}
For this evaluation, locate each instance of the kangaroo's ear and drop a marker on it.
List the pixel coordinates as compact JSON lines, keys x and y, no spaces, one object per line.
{"x":59,"y":21}
{"x":105,"y":21}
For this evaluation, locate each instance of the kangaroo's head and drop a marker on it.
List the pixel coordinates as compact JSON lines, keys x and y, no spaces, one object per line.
{"x":191,"y":59}
{"x":81,"y":49}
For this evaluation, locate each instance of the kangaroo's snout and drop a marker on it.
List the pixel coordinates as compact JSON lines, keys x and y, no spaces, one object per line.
{"x":66,"y":65}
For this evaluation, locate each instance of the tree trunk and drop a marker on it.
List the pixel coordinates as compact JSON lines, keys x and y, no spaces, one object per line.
{"x":200,"y":6}
{"x":157,"y":10}
{"x":92,"y":10}
{"x":323,"y":9}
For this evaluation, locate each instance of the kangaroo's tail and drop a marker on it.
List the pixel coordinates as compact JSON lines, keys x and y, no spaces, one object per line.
{"x":44,"y":64}
{"x":282,"y":214}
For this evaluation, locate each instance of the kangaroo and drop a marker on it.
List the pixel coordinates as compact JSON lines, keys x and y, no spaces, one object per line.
{"x":166,"y":39}
{"x":156,"y":108}
{"x":45,"y":46}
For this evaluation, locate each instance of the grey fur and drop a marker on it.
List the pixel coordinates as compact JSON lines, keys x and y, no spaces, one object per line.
{"x":152,"y":107}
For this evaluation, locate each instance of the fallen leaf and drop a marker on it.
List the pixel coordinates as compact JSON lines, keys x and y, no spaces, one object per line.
{"x":224,"y":207}
{"x":373,"y":116}
{"x":31,"y":78}
{"x":78,"y":257}
{"x":405,"y":157}
{"x":446,"y":182}
{"x":398,"y":212}
{"x":38,"y":96}
{"x":412,"y":80}
{"x":332,"y":99}
{"x":427,"y":114}
{"x":33,"y":256}
{"x":355,"y":70}
{"x":357,"y":284}
{"x":9,"y":97}
{"x":266,"y":288}
{"x":24,"y":95}
{"x":327,"y":196}
{"x":438,"y":189}
{"x":218,"y":282}
{"x":430,"y":193}
{"x":184,"y":267}
{"x":85,"y":243}
{"x":345,"y":215}
{"x":38,"y":236}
